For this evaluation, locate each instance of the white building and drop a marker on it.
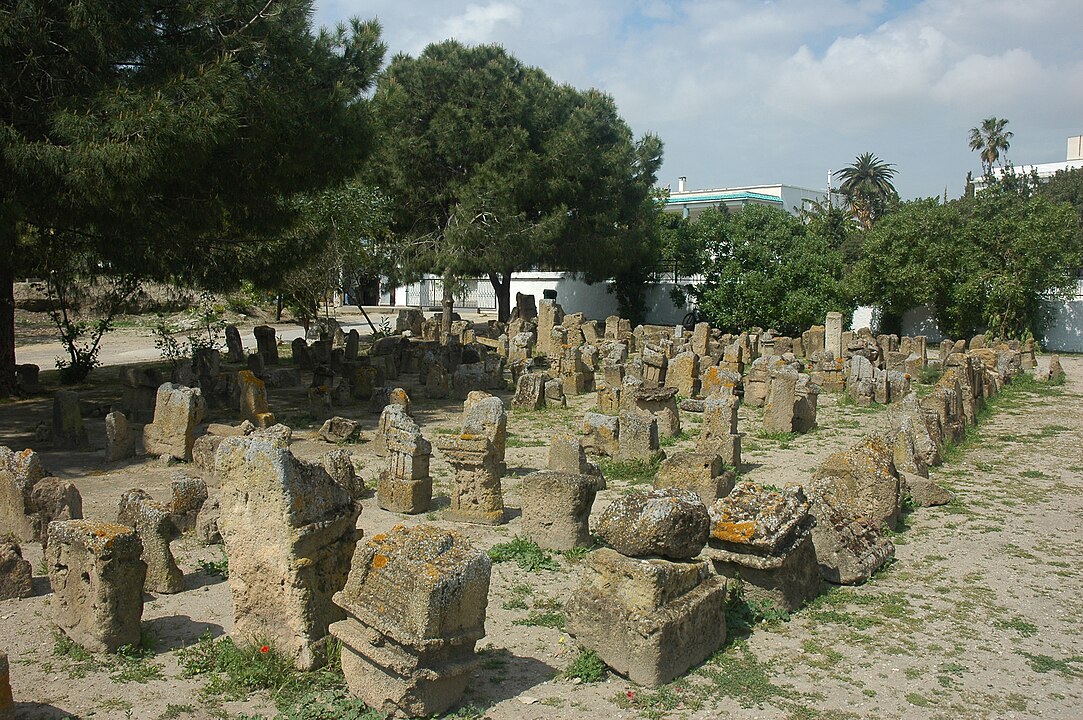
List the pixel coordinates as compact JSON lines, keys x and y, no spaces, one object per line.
{"x":1047,"y":170}
{"x":791,"y":198}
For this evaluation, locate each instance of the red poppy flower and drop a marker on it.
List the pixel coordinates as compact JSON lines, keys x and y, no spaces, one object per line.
{"x":631,"y":694}
{"x":264,"y":649}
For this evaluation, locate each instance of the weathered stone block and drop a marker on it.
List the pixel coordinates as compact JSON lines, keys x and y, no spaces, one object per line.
{"x":762,"y":536}
{"x":650,"y":620}
{"x":68,"y":430}
{"x":266,"y":343}
{"x":661,"y":403}
{"x":97,"y":579}
{"x":867,"y":481}
{"x":415,"y":604}
{"x":404,"y":483}
{"x":289,"y":532}
{"x":600,"y":433}
{"x":119,"y":439}
{"x":339,"y":430}
{"x":154,"y":525}
{"x":638,"y":437}
{"x":530,"y":391}
{"x":848,"y":548}
{"x":476,"y":494}
{"x":177,"y":411}
{"x":702,"y":473}
{"x":556,"y":508}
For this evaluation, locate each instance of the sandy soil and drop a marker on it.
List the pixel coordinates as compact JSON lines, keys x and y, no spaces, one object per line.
{"x":978,"y":617}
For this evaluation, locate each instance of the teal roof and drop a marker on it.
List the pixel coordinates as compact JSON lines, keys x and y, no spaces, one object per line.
{"x":722,"y":197}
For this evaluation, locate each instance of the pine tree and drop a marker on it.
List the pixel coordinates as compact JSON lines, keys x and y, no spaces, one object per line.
{"x":167,"y":140}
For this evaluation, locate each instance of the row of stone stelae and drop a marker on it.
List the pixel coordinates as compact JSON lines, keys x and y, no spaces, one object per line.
{"x":780,"y":536}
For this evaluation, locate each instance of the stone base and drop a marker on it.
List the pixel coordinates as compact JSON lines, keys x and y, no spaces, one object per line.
{"x":789,"y":580}
{"x":404,"y":496}
{"x":652,"y":648}
{"x":398,"y":679}
{"x":478,"y":517}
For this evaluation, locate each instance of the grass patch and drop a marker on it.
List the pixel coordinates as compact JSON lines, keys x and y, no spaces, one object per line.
{"x":587,"y":666}
{"x":130,"y":663}
{"x":738,"y":674}
{"x":233,"y":672}
{"x":782,"y":439}
{"x":634,"y":472}
{"x":1048,"y":431}
{"x":525,"y":553}
{"x":518,"y":441}
{"x":172,"y":712}
{"x":548,"y":618}
{"x":671,"y":440}
{"x":1065,"y":667}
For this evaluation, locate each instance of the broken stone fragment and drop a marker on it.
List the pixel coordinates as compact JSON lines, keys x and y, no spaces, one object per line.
{"x":16,"y":575}
{"x":670,"y":523}
{"x":848,"y":548}
{"x":702,"y":473}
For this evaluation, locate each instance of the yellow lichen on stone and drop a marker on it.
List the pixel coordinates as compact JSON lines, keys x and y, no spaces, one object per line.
{"x":734,"y":532}
{"x":379,"y":561}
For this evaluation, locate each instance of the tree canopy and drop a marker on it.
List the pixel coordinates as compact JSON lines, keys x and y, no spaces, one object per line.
{"x":764,"y":267}
{"x":494,"y":168}
{"x":170,"y":140}
{"x":993,"y":261}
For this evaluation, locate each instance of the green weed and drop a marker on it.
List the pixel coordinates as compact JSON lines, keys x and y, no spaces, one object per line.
{"x":525,"y":553}
{"x":549,"y":619}
{"x":215,"y":568}
{"x":1044,"y":663}
{"x":587,"y":666}
{"x":671,"y":440}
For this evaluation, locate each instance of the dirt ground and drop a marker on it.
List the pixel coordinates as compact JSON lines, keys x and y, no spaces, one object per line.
{"x":978,"y":617}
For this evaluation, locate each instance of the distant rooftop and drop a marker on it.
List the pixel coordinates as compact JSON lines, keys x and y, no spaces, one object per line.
{"x":787,"y":197}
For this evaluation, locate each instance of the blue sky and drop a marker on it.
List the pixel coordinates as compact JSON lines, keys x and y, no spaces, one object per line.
{"x":746,"y":93}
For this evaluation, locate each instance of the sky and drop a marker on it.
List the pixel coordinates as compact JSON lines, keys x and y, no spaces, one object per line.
{"x":747,"y":92}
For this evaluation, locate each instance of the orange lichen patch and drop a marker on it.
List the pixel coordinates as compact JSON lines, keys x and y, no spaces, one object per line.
{"x":398,"y":528}
{"x":378,"y":538}
{"x":107,"y":530}
{"x":379,"y":561}
{"x":734,"y":532}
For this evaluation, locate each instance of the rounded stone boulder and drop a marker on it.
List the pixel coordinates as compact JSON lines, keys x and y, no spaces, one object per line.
{"x":670,"y":523}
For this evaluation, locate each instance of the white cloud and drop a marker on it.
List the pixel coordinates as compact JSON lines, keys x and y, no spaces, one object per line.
{"x":744,"y":92}
{"x":480,"y":23}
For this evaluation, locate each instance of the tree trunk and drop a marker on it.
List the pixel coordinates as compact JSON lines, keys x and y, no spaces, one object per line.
{"x":8,"y":234}
{"x":448,"y":305}
{"x":502,"y":287}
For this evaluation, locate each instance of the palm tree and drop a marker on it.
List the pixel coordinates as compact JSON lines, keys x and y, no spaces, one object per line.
{"x":990,"y":140}
{"x":867,"y":186}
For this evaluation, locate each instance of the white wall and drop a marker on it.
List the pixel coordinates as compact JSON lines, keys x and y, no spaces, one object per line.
{"x":573,"y":294}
